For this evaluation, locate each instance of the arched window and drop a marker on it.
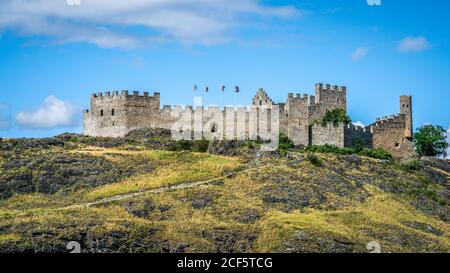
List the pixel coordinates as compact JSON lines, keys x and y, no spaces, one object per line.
{"x":112,"y":112}
{"x":101,"y":113}
{"x":260,"y":103}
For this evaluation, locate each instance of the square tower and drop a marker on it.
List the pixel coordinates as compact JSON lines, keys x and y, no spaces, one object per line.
{"x":406,"y":109}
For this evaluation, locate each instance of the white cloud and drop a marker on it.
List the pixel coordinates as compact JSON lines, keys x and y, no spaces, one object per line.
{"x":359,"y":53}
{"x":358,"y":123}
{"x":51,"y":114}
{"x":140,"y":21}
{"x":414,"y":44}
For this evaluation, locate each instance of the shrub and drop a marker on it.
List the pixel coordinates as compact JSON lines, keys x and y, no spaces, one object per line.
{"x":331,"y":149}
{"x":74,"y":139}
{"x":313,"y":159}
{"x":412,"y":165}
{"x":285,"y":143}
{"x":376,"y":153}
{"x":336,"y":116}
{"x":181,"y":145}
{"x":200,"y":146}
{"x":358,"y":145}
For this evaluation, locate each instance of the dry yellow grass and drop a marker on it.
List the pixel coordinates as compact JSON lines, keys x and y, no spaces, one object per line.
{"x":381,"y":211}
{"x":206,"y":167}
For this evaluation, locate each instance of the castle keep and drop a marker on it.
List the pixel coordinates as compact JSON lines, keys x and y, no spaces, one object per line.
{"x":115,"y":114}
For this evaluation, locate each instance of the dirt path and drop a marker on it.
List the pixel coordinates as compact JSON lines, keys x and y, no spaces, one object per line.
{"x":162,"y":189}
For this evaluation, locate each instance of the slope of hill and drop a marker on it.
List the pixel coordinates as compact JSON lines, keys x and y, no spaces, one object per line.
{"x":150,"y":200}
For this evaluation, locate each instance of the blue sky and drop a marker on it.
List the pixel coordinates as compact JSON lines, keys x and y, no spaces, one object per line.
{"x":55,"y":53}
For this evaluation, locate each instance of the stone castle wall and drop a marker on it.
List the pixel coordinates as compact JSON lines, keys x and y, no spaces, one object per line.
{"x":391,"y":134}
{"x":329,"y":134}
{"x":115,"y":114}
{"x":353,"y":133}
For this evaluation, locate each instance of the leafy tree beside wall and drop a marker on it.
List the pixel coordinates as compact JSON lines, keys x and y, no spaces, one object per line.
{"x":336,"y":116}
{"x":431,"y":140}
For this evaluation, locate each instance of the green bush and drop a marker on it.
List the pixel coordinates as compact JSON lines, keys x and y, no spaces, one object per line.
{"x":74,"y":139}
{"x":285,"y":143}
{"x":413,"y":165}
{"x":200,"y":146}
{"x":331,"y":149}
{"x":181,"y":145}
{"x":358,"y":145}
{"x":376,"y":153}
{"x":336,"y":116}
{"x":313,"y":159}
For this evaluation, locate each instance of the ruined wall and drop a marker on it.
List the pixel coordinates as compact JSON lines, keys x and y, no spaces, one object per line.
{"x":391,"y":135}
{"x":115,"y":114}
{"x":106,"y":116}
{"x":142,"y":111}
{"x":406,"y":109}
{"x":213,"y":122}
{"x":326,"y":99}
{"x":342,"y":135}
{"x":329,"y":134}
{"x":352,"y":133}
{"x":297,"y":124}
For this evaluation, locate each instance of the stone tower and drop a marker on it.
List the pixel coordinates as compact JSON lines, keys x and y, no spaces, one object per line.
{"x":406,"y":109}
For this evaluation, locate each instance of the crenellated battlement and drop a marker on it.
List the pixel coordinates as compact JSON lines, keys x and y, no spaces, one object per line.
{"x":359,"y":128}
{"x":320,"y":87}
{"x":328,"y":125}
{"x":397,"y":119}
{"x":115,"y":113}
{"x":305,"y":99}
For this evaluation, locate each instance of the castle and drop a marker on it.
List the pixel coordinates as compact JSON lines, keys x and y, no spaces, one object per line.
{"x":115,"y":114}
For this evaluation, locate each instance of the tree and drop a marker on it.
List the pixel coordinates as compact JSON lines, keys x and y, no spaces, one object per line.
{"x":431,"y":140}
{"x":336,"y":116}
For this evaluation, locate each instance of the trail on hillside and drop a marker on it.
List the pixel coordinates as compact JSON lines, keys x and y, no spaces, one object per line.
{"x":164,"y":189}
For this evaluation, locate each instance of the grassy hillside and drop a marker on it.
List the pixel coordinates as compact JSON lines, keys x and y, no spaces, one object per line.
{"x":261,"y":203}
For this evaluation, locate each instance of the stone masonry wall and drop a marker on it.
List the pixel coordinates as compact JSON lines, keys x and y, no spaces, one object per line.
{"x":114,"y":115}
{"x":391,"y":135}
{"x":352,"y":133}
{"x":329,"y":134}
{"x":106,"y":116}
{"x":326,"y":99}
{"x":296,"y":111}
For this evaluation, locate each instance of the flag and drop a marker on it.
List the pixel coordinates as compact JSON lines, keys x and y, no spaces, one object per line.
{"x":206,"y":88}
{"x":195,"y":87}
{"x":223,"y":88}
{"x":236,"y":89}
